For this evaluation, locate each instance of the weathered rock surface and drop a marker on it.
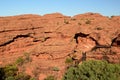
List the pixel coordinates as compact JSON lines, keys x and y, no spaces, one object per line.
{"x":53,"y":37}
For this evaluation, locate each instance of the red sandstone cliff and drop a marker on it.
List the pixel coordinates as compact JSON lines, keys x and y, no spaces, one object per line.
{"x":51,"y":38}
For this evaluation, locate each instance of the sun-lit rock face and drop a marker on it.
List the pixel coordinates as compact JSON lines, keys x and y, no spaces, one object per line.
{"x":51,"y":38}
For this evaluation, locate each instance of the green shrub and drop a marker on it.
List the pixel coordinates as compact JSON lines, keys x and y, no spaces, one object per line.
{"x":55,"y":69}
{"x":2,"y":73}
{"x":20,"y":61}
{"x":112,"y":16}
{"x":88,"y":22}
{"x":32,"y":79}
{"x":10,"y":78}
{"x":27,"y":57}
{"x":50,"y":78}
{"x":22,"y":76}
{"x":11,"y":72}
{"x":66,"y":22}
{"x":93,"y":70}
{"x":8,"y":72}
{"x":68,"y":60}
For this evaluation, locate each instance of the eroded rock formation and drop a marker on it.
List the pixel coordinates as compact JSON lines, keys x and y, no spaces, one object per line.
{"x":51,"y":38}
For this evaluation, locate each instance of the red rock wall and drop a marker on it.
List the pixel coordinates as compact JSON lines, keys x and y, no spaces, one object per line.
{"x":53,"y":37}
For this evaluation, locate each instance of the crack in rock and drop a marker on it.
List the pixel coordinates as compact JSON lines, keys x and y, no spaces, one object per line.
{"x":13,"y":39}
{"x":96,"y":46}
{"x":79,"y":35}
{"x":116,"y":41}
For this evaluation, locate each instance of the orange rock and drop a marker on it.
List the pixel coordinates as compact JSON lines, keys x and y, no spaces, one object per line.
{"x":51,"y":38}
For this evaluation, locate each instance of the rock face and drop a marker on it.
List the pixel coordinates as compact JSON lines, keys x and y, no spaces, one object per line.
{"x":51,"y":38}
